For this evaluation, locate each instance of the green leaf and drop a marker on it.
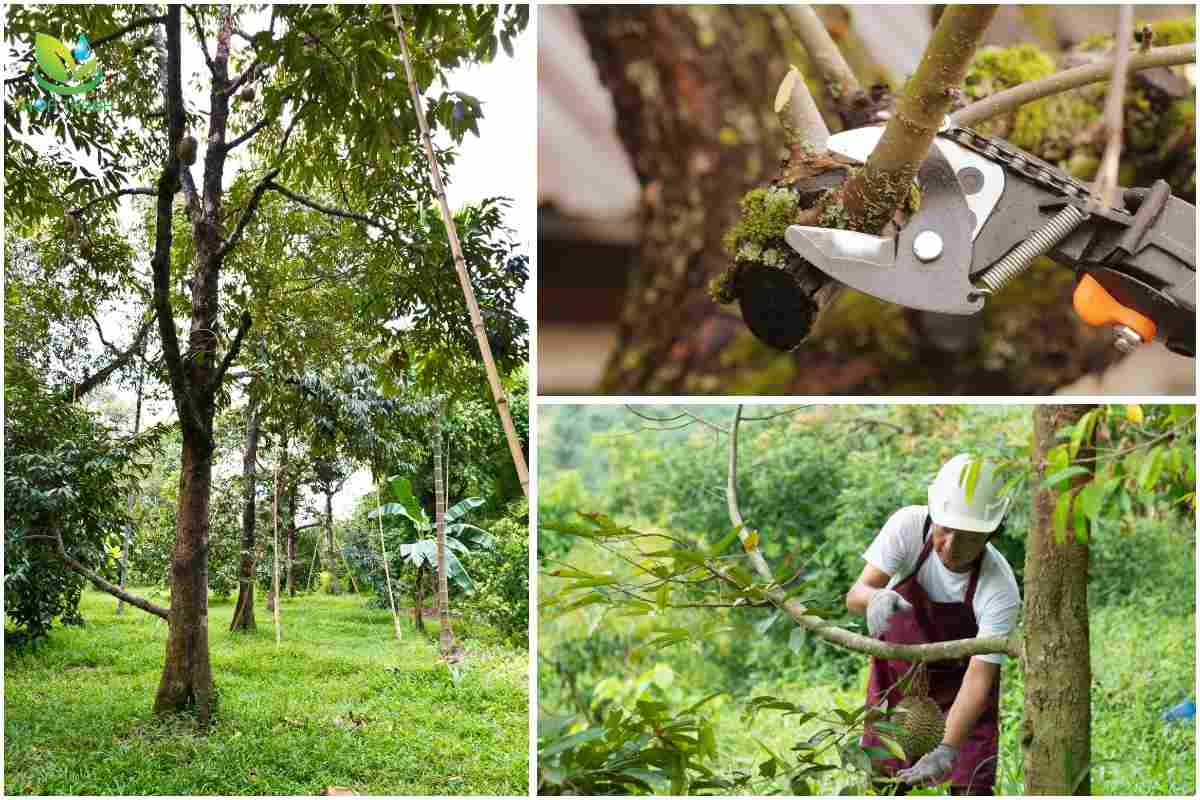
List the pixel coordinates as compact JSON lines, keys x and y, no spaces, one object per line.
{"x":1151,"y":467}
{"x":1082,"y":431}
{"x":1062,"y":511}
{"x":796,"y":639}
{"x":763,"y":625}
{"x":1090,"y":499}
{"x":1081,"y":522}
{"x":1063,"y":475}
{"x":723,"y":545}
{"x":893,"y":747}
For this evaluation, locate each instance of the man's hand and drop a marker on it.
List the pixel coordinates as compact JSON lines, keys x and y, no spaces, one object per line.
{"x":933,"y":768}
{"x":883,"y":605}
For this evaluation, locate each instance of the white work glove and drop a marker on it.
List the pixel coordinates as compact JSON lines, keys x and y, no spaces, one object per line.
{"x":933,"y":768}
{"x":883,"y":604}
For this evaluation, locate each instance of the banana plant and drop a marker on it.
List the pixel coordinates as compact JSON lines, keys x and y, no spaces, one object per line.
{"x":461,"y":537}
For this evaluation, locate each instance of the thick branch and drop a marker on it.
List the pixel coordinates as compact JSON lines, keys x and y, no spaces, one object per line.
{"x":236,"y":345}
{"x":258,"y":126}
{"x":823,"y":51}
{"x":160,"y":264}
{"x":147,"y":190}
{"x":872,"y":195}
{"x":78,"y":390}
{"x":1012,"y":99}
{"x":939,"y":651}
{"x":105,"y":586}
{"x":247,"y":214}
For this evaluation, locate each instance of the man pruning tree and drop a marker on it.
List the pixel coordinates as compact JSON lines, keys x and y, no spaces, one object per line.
{"x":967,"y":590}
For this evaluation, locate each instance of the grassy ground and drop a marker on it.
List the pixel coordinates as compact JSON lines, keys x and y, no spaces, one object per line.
{"x":340,"y":703}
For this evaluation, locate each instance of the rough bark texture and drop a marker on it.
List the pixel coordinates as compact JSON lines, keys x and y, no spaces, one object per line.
{"x":243,"y":612}
{"x":446,"y":637}
{"x":1056,"y":737}
{"x":693,"y":88}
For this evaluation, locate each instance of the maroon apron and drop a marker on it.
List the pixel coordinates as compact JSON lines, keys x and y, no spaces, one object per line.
{"x":974,"y":770}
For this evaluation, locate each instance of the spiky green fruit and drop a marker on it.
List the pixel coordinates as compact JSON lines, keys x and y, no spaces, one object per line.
{"x":923,"y":724}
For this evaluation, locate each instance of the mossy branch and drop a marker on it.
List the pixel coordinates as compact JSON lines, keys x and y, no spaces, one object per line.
{"x":1012,"y":99}
{"x":873,"y":195}
{"x":938,"y":651}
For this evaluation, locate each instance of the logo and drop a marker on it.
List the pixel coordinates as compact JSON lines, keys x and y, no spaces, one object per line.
{"x":65,"y":74}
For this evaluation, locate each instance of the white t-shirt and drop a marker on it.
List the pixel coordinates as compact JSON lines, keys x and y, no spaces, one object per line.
{"x":997,"y":599}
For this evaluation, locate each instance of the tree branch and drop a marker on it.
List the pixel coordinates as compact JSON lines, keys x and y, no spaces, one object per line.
{"x":77,"y":390}
{"x":939,"y":651}
{"x":803,"y":125}
{"x":147,"y":190}
{"x":258,"y":126}
{"x":823,"y":51}
{"x":105,"y":586}
{"x":330,"y":210}
{"x":1012,"y":99}
{"x":1114,"y":107}
{"x":141,"y":22}
{"x":208,"y":59}
{"x":247,"y":214}
{"x":872,"y":195}
{"x":236,"y":345}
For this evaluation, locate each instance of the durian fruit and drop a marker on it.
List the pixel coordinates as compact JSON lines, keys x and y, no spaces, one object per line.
{"x":187,"y":150}
{"x":920,"y":718}
{"x":71,"y":228}
{"x":247,"y":94}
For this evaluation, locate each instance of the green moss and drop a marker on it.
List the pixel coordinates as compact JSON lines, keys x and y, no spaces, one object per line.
{"x":1173,"y":31}
{"x":766,"y":213}
{"x":995,"y":69}
{"x":722,"y":289}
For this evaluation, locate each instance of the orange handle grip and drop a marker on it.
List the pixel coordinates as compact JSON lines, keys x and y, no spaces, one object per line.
{"x":1096,"y":306}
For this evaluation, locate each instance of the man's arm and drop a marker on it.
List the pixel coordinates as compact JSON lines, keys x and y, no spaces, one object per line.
{"x":869,"y":582}
{"x":972,"y":697}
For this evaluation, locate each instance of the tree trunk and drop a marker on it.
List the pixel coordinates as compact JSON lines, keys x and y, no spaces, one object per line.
{"x":419,"y":600}
{"x":187,"y":680}
{"x":694,"y":88}
{"x":243,"y":612}
{"x":1056,"y":737}
{"x":446,"y":637}
{"x":331,"y":557}
{"x":137,"y":426}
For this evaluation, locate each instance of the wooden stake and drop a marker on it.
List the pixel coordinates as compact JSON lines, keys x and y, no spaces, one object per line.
{"x":387,"y":573}
{"x":275,"y":576}
{"x":460,"y":264}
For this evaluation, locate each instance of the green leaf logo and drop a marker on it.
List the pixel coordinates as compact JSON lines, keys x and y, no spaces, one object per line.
{"x":59,"y":72}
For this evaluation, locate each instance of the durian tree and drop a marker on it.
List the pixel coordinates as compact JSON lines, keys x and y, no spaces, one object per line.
{"x":327,"y":127}
{"x":1084,"y":463}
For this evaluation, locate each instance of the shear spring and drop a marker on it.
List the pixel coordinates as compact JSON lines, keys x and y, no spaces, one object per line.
{"x":1041,"y":242}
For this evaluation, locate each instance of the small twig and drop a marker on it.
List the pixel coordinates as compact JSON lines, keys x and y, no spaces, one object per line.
{"x":330,"y":210}
{"x":1012,"y":99}
{"x":1114,"y":117}
{"x":219,"y":375}
{"x":823,"y":51}
{"x":208,"y":59}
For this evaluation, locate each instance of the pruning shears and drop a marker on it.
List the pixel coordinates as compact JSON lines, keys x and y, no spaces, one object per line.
{"x":988,"y":209}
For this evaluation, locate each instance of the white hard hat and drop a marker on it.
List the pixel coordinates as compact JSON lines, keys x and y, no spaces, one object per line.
{"x":948,"y":503}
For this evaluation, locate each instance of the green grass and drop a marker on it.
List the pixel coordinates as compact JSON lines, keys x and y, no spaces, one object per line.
{"x":339,"y":703}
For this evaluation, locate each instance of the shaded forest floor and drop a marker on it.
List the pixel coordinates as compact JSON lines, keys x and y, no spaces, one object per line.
{"x":339,"y":703}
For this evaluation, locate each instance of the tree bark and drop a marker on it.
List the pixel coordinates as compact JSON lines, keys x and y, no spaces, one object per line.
{"x":446,"y":637}
{"x":187,"y":680}
{"x":419,"y":599}
{"x":137,"y":426}
{"x":243,"y":612}
{"x":331,"y":557}
{"x":681,"y":76}
{"x":1056,"y":737}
